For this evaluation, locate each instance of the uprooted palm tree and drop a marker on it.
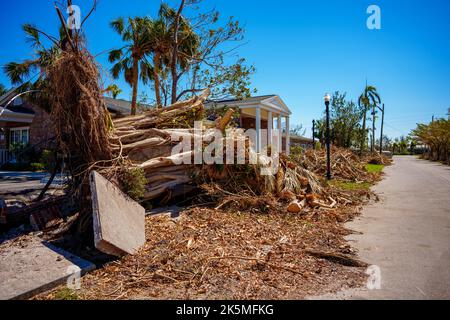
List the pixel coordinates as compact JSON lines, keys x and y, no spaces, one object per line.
{"x":68,"y":79}
{"x":369,"y":98}
{"x":131,"y":59}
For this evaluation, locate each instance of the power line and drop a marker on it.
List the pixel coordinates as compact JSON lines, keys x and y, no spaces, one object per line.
{"x":394,"y":128}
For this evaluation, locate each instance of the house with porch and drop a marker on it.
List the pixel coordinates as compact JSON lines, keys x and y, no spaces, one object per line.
{"x":27,"y":125}
{"x":23,"y":124}
{"x":259,"y":113}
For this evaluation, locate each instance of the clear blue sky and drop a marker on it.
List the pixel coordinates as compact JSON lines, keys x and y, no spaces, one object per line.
{"x":301,"y":49}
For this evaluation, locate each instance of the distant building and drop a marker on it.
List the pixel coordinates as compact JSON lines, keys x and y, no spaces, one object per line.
{"x":305,"y":143}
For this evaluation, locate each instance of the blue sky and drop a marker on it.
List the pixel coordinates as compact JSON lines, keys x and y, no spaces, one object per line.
{"x":301,"y":49}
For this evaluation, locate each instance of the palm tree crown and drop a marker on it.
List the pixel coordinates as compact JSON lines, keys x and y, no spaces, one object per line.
{"x":2,"y":89}
{"x":30,"y":74}
{"x":131,"y":59}
{"x":368,"y":98}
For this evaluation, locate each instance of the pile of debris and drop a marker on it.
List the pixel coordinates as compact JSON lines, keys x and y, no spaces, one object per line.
{"x":145,"y":142}
{"x":215,"y":254}
{"x":376,"y":158}
{"x":345,"y":164}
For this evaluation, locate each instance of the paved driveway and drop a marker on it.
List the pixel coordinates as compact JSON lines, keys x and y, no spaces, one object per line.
{"x":20,"y":183}
{"x":407,"y":234}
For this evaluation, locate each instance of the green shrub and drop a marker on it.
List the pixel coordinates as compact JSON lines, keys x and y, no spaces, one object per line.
{"x":47,"y":159}
{"x":133,"y":182}
{"x":37,"y":166}
{"x":296,"y":150}
{"x":317,"y":145}
{"x":66,"y":294}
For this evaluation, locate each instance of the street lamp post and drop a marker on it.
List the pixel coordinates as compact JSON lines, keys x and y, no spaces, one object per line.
{"x":327,"y":99}
{"x":314,"y":132}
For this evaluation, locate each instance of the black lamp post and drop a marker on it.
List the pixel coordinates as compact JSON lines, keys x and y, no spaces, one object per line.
{"x":327,"y":99}
{"x":314,"y":132}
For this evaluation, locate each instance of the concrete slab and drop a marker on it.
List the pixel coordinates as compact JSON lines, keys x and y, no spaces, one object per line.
{"x":30,"y":266}
{"x":119,"y":222}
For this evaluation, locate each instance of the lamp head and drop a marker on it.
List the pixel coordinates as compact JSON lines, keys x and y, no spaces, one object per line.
{"x":327,"y":98}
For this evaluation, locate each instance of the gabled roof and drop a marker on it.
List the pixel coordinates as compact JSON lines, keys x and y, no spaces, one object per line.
{"x":118,"y":105}
{"x":301,"y":138}
{"x":271,"y":102}
{"x":14,"y":113}
{"x":121,"y":106}
{"x":238,"y":101}
{"x":114,"y":105}
{"x":4,"y":99}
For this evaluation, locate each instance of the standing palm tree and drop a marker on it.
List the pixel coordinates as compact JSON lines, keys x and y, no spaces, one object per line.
{"x":370,"y":97}
{"x":114,"y":90}
{"x":30,"y":74}
{"x":133,"y":55}
{"x":184,"y":44}
{"x":161,"y":33}
{"x":2,"y":89}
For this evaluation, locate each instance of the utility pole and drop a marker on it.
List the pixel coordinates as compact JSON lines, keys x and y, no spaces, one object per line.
{"x":328,"y":142}
{"x":313,"y":132}
{"x":382,"y":125}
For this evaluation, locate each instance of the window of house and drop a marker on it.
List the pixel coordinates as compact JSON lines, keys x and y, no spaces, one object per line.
{"x":19,"y":136}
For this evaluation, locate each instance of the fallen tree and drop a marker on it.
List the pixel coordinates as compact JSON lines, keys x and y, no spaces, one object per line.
{"x":144,"y":142}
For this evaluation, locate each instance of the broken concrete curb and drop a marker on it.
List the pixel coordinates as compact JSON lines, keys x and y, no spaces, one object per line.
{"x":119,"y":222}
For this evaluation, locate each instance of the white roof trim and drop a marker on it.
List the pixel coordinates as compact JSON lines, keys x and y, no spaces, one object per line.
{"x":269,"y":102}
{"x":9,"y":116}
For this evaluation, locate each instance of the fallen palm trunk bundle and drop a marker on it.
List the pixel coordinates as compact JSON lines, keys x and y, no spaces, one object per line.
{"x":146,"y":142}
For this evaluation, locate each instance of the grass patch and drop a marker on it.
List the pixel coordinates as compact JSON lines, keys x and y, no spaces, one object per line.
{"x":66,"y":294}
{"x":374,"y":168}
{"x":352,"y":186}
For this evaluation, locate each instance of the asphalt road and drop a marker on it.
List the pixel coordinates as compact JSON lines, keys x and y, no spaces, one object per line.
{"x":407,"y":233}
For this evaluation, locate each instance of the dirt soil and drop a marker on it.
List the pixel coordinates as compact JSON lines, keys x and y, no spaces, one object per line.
{"x":213,"y":254}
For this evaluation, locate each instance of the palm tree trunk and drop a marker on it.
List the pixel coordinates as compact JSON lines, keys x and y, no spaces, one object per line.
{"x":372,"y":147}
{"x":135,"y":86}
{"x":156,"y":63}
{"x":363,"y":134}
{"x":174,"y":59}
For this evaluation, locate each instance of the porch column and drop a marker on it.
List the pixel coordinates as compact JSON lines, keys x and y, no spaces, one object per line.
{"x":269,"y":128}
{"x":258,"y":129}
{"x":288,"y":137}
{"x":280,"y":134}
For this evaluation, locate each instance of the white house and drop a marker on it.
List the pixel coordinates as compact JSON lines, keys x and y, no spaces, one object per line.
{"x":259,"y":113}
